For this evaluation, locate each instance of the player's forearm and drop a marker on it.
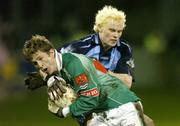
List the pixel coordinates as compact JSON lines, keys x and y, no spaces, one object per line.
{"x":84,"y":105}
{"x":127,"y":79}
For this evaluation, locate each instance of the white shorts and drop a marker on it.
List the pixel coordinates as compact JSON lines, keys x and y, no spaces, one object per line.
{"x":124,"y":115}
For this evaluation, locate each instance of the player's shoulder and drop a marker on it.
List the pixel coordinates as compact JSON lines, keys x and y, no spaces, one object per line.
{"x":72,"y":56}
{"x":124,"y":45}
{"x":88,"y":38}
{"x":74,"y":59}
{"x":75,"y":45}
{"x":81,"y":42}
{"x":69,"y":57}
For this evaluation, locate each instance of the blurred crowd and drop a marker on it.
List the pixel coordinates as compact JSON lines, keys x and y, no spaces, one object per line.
{"x":152,"y":25}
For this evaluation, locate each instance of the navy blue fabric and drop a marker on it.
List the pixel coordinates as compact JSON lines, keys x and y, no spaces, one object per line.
{"x":117,"y":59}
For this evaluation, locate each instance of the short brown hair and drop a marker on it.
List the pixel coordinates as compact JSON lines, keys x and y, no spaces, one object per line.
{"x":36,"y":43}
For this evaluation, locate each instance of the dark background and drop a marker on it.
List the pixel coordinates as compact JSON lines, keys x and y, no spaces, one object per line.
{"x":153,"y":28}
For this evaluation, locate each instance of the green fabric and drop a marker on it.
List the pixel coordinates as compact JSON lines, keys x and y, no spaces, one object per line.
{"x":112,"y":91}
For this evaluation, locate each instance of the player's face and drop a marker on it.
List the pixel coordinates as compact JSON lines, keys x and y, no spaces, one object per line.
{"x":45,"y":61}
{"x":110,"y":33}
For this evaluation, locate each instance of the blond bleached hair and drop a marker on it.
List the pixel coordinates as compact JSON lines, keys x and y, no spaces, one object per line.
{"x":106,"y":13}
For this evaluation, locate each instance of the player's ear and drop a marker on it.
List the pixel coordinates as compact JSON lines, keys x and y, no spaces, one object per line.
{"x":100,"y":29}
{"x":51,"y":52}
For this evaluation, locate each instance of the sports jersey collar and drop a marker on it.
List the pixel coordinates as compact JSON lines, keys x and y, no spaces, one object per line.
{"x":97,"y":39}
{"x":118,"y":43}
{"x":58,"y":57}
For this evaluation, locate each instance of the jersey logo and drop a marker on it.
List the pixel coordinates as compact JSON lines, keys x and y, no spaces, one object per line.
{"x":83,"y":86}
{"x":130,"y":63}
{"x":92,"y":92}
{"x":81,"y":79}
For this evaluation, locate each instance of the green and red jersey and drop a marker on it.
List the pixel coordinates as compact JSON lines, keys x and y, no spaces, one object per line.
{"x":98,"y":91}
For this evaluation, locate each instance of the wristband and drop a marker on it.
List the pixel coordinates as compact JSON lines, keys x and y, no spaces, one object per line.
{"x":65,"y":111}
{"x":50,"y":81}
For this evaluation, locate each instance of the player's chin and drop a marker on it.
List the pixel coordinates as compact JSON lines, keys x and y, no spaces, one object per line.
{"x":112,"y":44}
{"x":50,"y":72}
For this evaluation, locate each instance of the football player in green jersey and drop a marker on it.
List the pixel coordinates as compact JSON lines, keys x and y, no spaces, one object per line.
{"x":101,"y":97}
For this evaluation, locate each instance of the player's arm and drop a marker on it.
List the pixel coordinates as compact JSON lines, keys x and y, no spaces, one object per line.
{"x":126,"y":78}
{"x":125,"y":66}
{"x":71,"y":47}
{"x":124,"y":71}
{"x":86,"y":86}
{"x":85,"y":81}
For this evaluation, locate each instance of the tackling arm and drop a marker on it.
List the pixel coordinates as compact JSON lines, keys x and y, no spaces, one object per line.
{"x":127,"y":79}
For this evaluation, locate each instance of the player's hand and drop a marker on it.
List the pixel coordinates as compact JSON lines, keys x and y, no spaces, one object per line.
{"x":55,"y":110}
{"x":148,"y":121}
{"x":34,"y":81}
{"x":60,"y":113}
{"x":56,"y":87}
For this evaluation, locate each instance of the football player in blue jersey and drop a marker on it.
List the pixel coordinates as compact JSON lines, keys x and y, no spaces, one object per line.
{"x":106,"y":44}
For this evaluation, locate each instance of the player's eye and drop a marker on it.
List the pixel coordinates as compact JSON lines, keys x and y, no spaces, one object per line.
{"x":39,"y":58}
{"x":119,"y":31}
{"x":112,"y":30}
{"x":34,"y":63}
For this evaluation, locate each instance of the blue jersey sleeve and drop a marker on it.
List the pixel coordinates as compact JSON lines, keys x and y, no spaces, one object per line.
{"x":81,"y":46}
{"x":126,"y":62}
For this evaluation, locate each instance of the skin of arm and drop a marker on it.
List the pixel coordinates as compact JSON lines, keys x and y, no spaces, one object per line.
{"x":127,"y":79}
